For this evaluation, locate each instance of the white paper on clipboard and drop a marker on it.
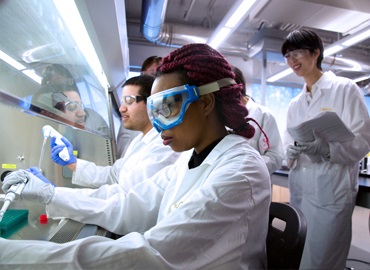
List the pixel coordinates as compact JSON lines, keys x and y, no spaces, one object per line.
{"x":327,"y":125}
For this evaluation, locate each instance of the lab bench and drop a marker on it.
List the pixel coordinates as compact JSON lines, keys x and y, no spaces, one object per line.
{"x":36,"y":227}
{"x":65,"y":230}
{"x":280,"y":178}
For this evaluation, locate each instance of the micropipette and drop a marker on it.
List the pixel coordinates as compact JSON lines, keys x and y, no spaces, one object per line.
{"x":13,"y":192}
{"x":42,"y":152}
{"x":48,"y":131}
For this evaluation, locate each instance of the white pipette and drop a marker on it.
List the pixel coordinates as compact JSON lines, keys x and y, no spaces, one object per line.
{"x":48,"y":131}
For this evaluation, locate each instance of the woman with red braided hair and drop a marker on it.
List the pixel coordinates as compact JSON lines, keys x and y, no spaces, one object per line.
{"x":209,"y":210}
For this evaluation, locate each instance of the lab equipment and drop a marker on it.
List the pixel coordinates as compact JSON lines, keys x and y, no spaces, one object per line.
{"x":42,"y":151}
{"x":13,"y":217}
{"x":13,"y":192}
{"x":48,"y":131}
{"x":56,"y":149}
{"x":166,"y":109}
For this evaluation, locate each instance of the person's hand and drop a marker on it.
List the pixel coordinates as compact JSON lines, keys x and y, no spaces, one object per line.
{"x":317,"y":147}
{"x":294,"y":151}
{"x":13,"y":178}
{"x":36,"y":172}
{"x":56,"y":149}
{"x":35,"y":188}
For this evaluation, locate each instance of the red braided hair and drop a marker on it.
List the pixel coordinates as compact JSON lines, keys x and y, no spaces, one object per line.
{"x":200,"y":64}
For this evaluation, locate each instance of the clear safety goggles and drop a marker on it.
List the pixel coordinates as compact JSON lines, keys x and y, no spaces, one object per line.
{"x":128,"y":100}
{"x":296,"y":54}
{"x":167,"y":109}
{"x":74,"y":105}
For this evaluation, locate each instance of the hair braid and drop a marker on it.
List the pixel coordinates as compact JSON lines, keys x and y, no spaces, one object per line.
{"x":203,"y":65}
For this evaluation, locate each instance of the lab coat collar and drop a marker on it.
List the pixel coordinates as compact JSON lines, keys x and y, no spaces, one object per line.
{"x":225,"y":144}
{"x":150,"y":136}
{"x":326,"y":80}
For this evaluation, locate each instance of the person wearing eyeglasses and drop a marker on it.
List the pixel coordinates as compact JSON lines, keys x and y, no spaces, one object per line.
{"x":69,"y":102}
{"x":209,"y":210}
{"x":324,"y":189}
{"x":67,"y":99}
{"x":125,"y":136}
{"x":145,"y":155}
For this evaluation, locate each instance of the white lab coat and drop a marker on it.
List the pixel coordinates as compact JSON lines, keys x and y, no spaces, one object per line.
{"x":145,"y":156}
{"x":274,"y":155}
{"x":214,"y":216}
{"x":326,"y":191}
{"x":124,"y":138}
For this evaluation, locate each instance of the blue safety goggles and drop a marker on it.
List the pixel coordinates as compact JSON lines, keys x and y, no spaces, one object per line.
{"x":167,"y":109}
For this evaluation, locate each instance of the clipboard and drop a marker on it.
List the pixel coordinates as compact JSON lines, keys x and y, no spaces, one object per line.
{"x":327,"y":125}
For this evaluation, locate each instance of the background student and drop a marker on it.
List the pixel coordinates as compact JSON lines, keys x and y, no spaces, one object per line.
{"x":125,"y":136}
{"x":61,"y":92}
{"x":325,"y":190}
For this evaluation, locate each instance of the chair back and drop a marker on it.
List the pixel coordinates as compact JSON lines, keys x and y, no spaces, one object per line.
{"x":285,"y":245}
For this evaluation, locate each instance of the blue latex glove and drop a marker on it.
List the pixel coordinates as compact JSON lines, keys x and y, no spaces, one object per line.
{"x":55,"y":150}
{"x":317,"y":147}
{"x":35,"y":189}
{"x":36,"y":172}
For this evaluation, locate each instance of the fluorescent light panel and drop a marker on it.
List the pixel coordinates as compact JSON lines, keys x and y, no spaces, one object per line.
{"x":6,"y":58}
{"x":31,"y":74}
{"x":232,"y":18}
{"x":220,"y":37}
{"x":18,"y":66}
{"x":71,"y":17}
{"x":357,"y":38}
{"x":332,"y":50}
{"x":239,"y":13}
{"x":280,"y":75}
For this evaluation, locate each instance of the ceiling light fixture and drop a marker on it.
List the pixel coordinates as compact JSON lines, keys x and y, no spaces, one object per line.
{"x":71,"y":17}
{"x":357,"y":38}
{"x":15,"y":64}
{"x":237,"y":13}
{"x":338,"y":46}
{"x":332,"y":50}
{"x":6,"y":58}
{"x":280,"y":75}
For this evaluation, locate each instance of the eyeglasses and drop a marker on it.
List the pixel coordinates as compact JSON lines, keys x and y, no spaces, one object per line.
{"x":74,"y":105}
{"x":296,"y":54}
{"x":128,"y":100}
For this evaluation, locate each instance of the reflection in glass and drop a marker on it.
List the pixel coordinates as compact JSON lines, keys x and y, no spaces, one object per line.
{"x":34,"y":35}
{"x":63,"y":103}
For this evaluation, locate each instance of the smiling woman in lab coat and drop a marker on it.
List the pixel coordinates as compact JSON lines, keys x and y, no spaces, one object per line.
{"x":324,"y":190}
{"x":209,"y":210}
